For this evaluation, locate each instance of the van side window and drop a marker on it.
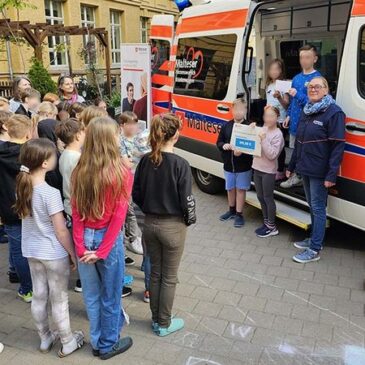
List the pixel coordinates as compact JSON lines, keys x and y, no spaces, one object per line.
{"x":361,"y":72}
{"x":203,"y":66}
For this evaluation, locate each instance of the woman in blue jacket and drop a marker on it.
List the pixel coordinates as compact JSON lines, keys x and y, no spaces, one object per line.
{"x":317,"y":157}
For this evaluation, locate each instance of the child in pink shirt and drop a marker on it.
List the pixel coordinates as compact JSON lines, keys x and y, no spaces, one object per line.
{"x":265,"y":167}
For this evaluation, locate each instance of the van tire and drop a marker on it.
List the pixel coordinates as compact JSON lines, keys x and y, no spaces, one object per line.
{"x":208,"y":183}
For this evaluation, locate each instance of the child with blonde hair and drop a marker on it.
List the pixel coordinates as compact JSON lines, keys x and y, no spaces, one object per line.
{"x":99,"y":208}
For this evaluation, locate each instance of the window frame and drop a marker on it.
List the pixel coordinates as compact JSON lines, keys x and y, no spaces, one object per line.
{"x":230,"y":73}
{"x":51,"y":18}
{"x":87,"y":23}
{"x":360,"y":90}
{"x":113,"y":27}
{"x":144,"y":29}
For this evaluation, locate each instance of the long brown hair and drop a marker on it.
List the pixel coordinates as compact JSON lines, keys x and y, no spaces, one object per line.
{"x":100,"y":170}
{"x":163,"y":128}
{"x":281,"y":64}
{"x":32,"y":155}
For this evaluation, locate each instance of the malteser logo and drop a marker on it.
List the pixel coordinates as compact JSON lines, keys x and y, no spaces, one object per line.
{"x":192,"y":62}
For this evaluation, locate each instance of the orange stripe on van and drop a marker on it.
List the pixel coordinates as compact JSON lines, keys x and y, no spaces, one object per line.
{"x":204,"y":106}
{"x":358,"y":8}
{"x":352,"y":167}
{"x":162,"y":80}
{"x":223,"y":20}
{"x":167,"y":66}
{"x":161,"y":31}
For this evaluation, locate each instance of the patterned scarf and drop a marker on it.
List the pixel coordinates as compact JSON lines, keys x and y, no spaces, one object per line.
{"x":322,"y":105}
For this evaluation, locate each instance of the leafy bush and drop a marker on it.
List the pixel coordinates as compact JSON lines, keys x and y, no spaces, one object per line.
{"x":115,"y":99}
{"x":40,"y":78}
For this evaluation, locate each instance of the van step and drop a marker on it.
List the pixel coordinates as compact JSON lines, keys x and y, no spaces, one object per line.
{"x":284,"y":211}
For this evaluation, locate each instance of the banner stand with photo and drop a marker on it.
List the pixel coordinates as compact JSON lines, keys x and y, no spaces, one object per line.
{"x":136,"y":81}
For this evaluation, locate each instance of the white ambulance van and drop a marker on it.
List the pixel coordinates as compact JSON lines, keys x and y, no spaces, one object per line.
{"x":219,"y":49}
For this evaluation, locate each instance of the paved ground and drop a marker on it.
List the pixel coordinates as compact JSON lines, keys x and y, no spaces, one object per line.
{"x":243,"y":299}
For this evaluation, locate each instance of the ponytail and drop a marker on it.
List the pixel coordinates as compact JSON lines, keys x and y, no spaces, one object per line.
{"x":163,"y":128}
{"x":32,"y":155}
{"x":24,"y":193}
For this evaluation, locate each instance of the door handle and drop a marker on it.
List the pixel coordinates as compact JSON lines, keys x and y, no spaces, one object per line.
{"x":355,"y":128}
{"x":223,"y":108}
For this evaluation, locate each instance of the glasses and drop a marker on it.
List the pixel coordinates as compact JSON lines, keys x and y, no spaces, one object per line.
{"x":315,"y":87}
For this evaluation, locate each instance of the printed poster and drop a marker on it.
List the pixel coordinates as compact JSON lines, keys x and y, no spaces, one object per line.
{"x":136,"y":80}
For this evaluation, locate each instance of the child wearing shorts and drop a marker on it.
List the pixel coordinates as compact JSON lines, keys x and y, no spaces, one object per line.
{"x":237,"y":166}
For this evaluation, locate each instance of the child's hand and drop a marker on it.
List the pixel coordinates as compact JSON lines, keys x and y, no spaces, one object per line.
{"x":277,"y":94}
{"x":237,"y":153}
{"x":286,"y":122}
{"x":292,"y":92}
{"x":73,"y":262}
{"x":262,"y":134}
{"x":252,"y":125}
{"x":90,"y":258}
{"x":227,"y":147}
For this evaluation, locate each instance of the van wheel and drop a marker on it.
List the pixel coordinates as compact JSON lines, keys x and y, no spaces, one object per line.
{"x":208,"y":183}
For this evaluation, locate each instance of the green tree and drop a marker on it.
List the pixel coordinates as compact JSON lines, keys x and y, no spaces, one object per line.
{"x":40,"y":78}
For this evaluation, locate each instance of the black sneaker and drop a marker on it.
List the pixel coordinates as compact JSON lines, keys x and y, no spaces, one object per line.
{"x":227,"y":216}
{"x":127,"y":291}
{"x":121,"y":346}
{"x":13,"y":277}
{"x":78,"y":287}
{"x":129,"y":261}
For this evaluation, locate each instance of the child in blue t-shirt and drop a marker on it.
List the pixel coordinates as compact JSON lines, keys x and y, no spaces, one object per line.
{"x":308,"y":57}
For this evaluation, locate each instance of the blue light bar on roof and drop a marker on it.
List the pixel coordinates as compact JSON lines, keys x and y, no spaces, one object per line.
{"x":182,"y":4}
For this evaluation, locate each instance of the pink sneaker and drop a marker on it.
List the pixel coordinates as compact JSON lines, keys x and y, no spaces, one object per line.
{"x":280,"y":176}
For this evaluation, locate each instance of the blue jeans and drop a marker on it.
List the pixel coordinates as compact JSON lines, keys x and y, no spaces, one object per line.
{"x":316,"y":194}
{"x":16,"y":257}
{"x":102,"y":285}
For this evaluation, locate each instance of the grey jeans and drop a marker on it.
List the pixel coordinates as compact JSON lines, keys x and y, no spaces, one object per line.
{"x":131,"y":229}
{"x":264,"y":185}
{"x":50,"y":283}
{"x":165,"y":240}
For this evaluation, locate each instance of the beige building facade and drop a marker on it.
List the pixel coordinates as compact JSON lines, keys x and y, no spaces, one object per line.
{"x":127,"y":21}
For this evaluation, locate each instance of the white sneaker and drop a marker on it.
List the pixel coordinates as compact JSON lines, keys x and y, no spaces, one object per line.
{"x":47,"y":344}
{"x":76,"y":343}
{"x":135,"y":246}
{"x":293,"y":180}
{"x":1,"y":347}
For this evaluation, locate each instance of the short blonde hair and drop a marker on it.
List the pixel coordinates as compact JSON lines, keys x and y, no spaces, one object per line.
{"x":324,"y":81}
{"x":18,"y":126}
{"x":3,"y":101}
{"x":46,"y":107}
{"x":240,"y":101}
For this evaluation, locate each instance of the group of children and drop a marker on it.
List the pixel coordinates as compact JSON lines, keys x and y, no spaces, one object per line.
{"x":81,"y":222}
{"x":282,"y":112}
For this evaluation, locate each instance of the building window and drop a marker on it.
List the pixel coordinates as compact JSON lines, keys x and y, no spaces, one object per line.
{"x":54,"y":15}
{"x":88,"y":21}
{"x":144,"y":30}
{"x":115,"y":36}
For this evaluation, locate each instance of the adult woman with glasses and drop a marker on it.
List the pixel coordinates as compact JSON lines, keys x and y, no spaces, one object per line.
{"x":67,"y":90}
{"x":317,"y":156}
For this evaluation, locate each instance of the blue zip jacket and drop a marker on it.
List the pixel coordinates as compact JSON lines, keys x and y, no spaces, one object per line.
{"x":300,"y":83}
{"x":319,"y":145}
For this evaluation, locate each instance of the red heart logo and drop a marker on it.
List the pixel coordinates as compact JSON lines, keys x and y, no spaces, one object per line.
{"x":195,"y":56}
